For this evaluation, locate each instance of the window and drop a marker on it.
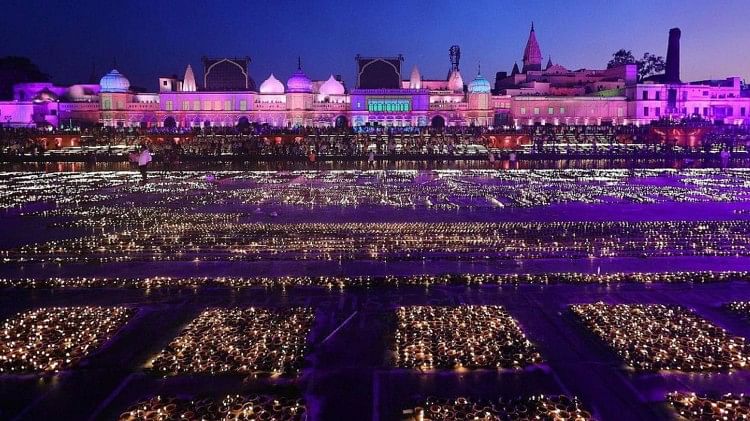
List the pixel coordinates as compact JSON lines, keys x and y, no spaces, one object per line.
{"x":227,"y":105}
{"x":562,"y":110}
{"x":645,"y":95}
{"x":217,"y":105}
{"x":705,"y":93}
{"x":620,"y":112}
{"x":196,"y":105}
{"x":742,"y":111}
{"x":705,"y":111}
{"x":207,"y":105}
{"x":164,"y":83}
{"x":523,"y":110}
{"x":107,"y":104}
{"x":684,"y":95}
{"x":658,"y":111}
{"x":696,"y":111}
{"x":730,"y":111}
{"x":185,"y":106}
{"x":550,"y":110}
{"x":536,"y":110}
{"x":658,"y":95}
{"x":243,"y":105}
{"x":645,"y":111}
{"x":169,"y":105}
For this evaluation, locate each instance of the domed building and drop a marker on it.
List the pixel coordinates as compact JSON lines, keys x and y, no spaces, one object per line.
{"x":480,"y":85}
{"x":114,"y":81}
{"x":299,"y":82}
{"x":331,"y":87}
{"x":272,"y":86}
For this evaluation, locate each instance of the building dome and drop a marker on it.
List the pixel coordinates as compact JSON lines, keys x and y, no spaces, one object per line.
{"x":272,"y":86}
{"x":299,"y":82}
{"x":331,"y":87}
{"x":479,"y":85}
{"x":456,"y":82}
{"x":114,"y":81}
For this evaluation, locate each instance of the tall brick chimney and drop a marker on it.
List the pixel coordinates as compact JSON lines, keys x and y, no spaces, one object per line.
{"x":672,"y":74}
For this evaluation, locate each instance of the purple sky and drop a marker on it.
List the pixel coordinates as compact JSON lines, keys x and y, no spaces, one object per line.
{"x":152,"y":38}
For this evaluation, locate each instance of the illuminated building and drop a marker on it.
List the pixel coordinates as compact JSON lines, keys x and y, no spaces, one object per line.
{"x":226,"y":95}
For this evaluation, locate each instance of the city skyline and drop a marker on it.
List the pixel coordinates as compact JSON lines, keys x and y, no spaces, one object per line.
{"x":163,"y":39}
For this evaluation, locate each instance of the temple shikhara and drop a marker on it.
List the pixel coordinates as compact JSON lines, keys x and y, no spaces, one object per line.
{"x":386,"y":94}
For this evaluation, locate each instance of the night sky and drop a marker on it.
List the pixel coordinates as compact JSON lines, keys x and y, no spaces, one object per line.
{"x":157,"y":38}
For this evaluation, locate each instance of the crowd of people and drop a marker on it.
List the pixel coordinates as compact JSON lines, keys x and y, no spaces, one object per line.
{"x":264,"y":142}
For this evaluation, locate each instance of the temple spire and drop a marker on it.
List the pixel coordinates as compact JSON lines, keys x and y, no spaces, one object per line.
{"x":188,"y":82}
{"x":549,"y":63}
{"x":299,"y":63}
{"x":532,"y":54}
{"x":415,"y":79}
{"x":515,"y":70}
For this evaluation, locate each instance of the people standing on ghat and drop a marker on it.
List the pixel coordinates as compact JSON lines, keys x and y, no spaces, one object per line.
{"x":725,"y":155}
{"x":133,"y":159}
{"x":144,"y":158}
{"x":311,"y":157}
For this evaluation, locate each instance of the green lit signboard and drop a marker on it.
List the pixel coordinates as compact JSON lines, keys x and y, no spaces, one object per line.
{"x":388,"y":105}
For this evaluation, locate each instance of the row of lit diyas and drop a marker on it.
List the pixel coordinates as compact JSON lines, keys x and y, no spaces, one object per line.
{"x":51,"y":339}
{"x":552,"y":408}
{"x":692,"y":407}
{"x":397,"y":241}
{"x":465,"y":189}
{"x":430,"y":337}
{"x":230,"y":408}
{"x":656,"y":337}
{"x":240,"y":341}
{"x":20,"y":188}
{"x":436,"y":189}
{"x":131,"y":216}
{"x":741,"y":308}
{"x":342,"y":282}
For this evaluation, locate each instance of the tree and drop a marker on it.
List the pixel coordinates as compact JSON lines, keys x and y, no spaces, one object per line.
{"x":18,"y":70}
{"x":621,"y":58}
{"x":650,"y":65}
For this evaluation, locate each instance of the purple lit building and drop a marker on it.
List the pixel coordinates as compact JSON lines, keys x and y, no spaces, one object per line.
{"x":535,"y":94}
